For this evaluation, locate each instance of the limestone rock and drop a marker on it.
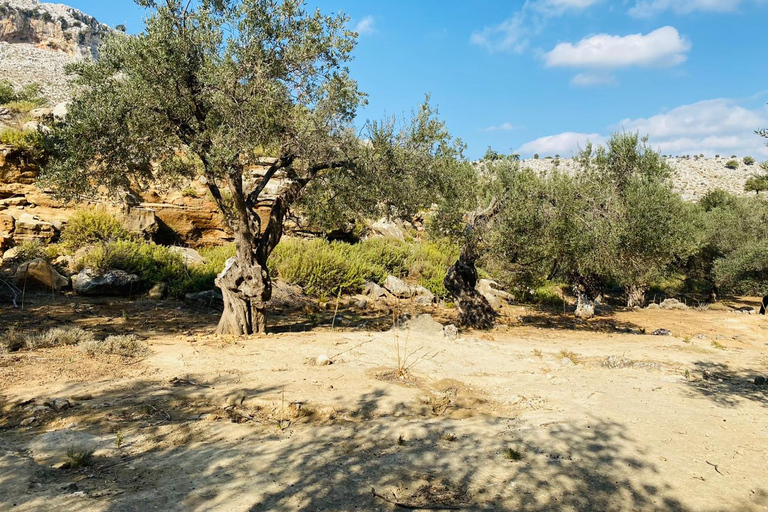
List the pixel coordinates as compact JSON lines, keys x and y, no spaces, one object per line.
{"x":141,"y":221}
{"x":495,"y":297}
{"x":451,"y":332}
{"x":208,"y":298}
{"x":673,"y":304}
{"x":286,"y":296}
{"x":35,"y":126}
{"x":190,"y":256}
{"x":7,"y":224}
{"x":425,"y":324}
{"x":398,"y":287}
{"x":39,"y":272}
{"x":110,"y":283}
{"x":60,"y":111}
{"x":387,"y":229}
{"x":30,"y":227}
{"x":374,"y":291}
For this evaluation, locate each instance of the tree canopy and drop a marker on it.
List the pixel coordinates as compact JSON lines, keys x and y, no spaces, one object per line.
{"x":247,"y":93}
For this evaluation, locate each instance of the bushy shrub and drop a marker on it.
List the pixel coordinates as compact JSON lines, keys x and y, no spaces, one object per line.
{"x":324,"y":268}
{"x":732,"y":164}
{"x":126,"y":345}
{"x":30,"y":250}
{"x":152,"y":263}
{"x":748,"y":160}
{"x":201,"y":277}
{"x":549,"y":295}
{"x":30,"y":93}
{"x":30,"y":142}
{"x":88,"y":227}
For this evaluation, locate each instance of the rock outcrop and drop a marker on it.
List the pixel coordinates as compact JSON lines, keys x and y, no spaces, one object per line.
{"x":37,"y":41}
{"x":40,"y":273}
{"x":110,"y":283}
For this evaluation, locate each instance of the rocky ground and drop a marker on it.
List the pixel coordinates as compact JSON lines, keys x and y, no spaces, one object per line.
{"x":692,"y":177}
{"x":539,"y":414}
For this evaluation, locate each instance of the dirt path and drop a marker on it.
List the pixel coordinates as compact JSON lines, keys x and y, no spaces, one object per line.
{"x":524,"y":419}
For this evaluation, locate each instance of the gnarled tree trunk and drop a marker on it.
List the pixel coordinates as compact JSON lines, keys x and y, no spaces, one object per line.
{"x":474,"y":310}
{"x":246,"y":288}
{"x":587,"y":291}
{"x":635,"y":296}
{"x":461,"y":279}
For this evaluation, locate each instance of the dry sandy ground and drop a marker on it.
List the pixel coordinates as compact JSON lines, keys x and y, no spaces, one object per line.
{"x":671,"y":423}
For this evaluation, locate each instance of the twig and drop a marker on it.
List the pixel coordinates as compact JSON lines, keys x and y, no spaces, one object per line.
{"x":415,"y":507}
{"x":350,"y":349}
{"x":714,"y":466}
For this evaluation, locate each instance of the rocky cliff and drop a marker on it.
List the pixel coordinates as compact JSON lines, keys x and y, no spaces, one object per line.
{"x":37,"y":40}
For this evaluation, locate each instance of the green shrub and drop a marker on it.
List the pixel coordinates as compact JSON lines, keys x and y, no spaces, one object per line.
{"x":732,"y":164}
{"x":323,"y":268}
{"x":30,"y":142}
{"x":201,"y":277}
{"x":549,"y":295}
{"x":748,"y":160}
{"x":30,"y":250}
{"x":152,"y":263}
{"x":7,"y":92}
{"x":189,"y":192}
{"x":88,"y":227}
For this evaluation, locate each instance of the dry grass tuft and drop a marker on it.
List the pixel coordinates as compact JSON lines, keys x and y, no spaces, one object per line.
{"x":126,"y":345}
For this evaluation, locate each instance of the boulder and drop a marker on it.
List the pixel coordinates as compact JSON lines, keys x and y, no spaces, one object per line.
{"x":141,"y":221}
{"x":286,"y":296}
{"x":208,"y":298}
{"x":30,"y":227}
{"x":495,"y":297}
{"x":190,"y":256}
{"x":451,"y":332}
{"x":60,"y":111}
{"x":422,"y":296}
{"x":403,"y":290}
{"x":673,"y":304}
{"x":110,"y":283}
{"x":386,"y":228}
{"x":425,"y":324}
{"x":374,"y":291}
{"x":35,"y":126}
{"x":398,"y":287}
{"x":40,"y":113}
{"x":7,"y":224}
{"x":41,"y":274}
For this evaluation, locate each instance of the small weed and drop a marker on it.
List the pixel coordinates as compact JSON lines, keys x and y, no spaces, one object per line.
{"x":400,"y":440}
{"x":718,"y":345}
{"x":537,"y":352}
{"x":119,"y":439}
{"x":79,"y":457}
{"x":513,"y":455}
{"x":189,"y":192}
{"x":449,"y":437}
{"x":687,"y":374}
{"x":567,"y":354}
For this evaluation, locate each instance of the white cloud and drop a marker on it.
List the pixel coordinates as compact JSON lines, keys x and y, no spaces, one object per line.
{"x":719,"y":126}
{"x":649,"y":8}
{"x":564,"y":144}
{"x":514,"y":33}
{"x":593,"y":79}
{"x":662,"y":47}
{"x":710,"y":127}
{"x":502,"y":127}
{"x":366,"y":26}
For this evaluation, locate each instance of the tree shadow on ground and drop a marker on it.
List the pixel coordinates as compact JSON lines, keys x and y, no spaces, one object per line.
{"x":176,"y":459}
{"x":725,"y":385}
{"x":603,"y":322}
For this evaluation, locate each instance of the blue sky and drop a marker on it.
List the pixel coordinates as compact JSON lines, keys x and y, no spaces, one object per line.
{"x":543,"y":76}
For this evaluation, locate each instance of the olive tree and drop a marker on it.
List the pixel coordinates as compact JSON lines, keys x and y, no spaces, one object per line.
{"x":248,"y":94}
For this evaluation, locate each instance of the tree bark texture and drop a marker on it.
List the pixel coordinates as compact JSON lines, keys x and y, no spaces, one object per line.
{"x":635,"y":296}
{"x":461,"y":279}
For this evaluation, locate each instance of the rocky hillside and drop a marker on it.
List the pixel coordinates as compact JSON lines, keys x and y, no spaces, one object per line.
{"x":37,"y":40}
{"x":693,"y":177}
